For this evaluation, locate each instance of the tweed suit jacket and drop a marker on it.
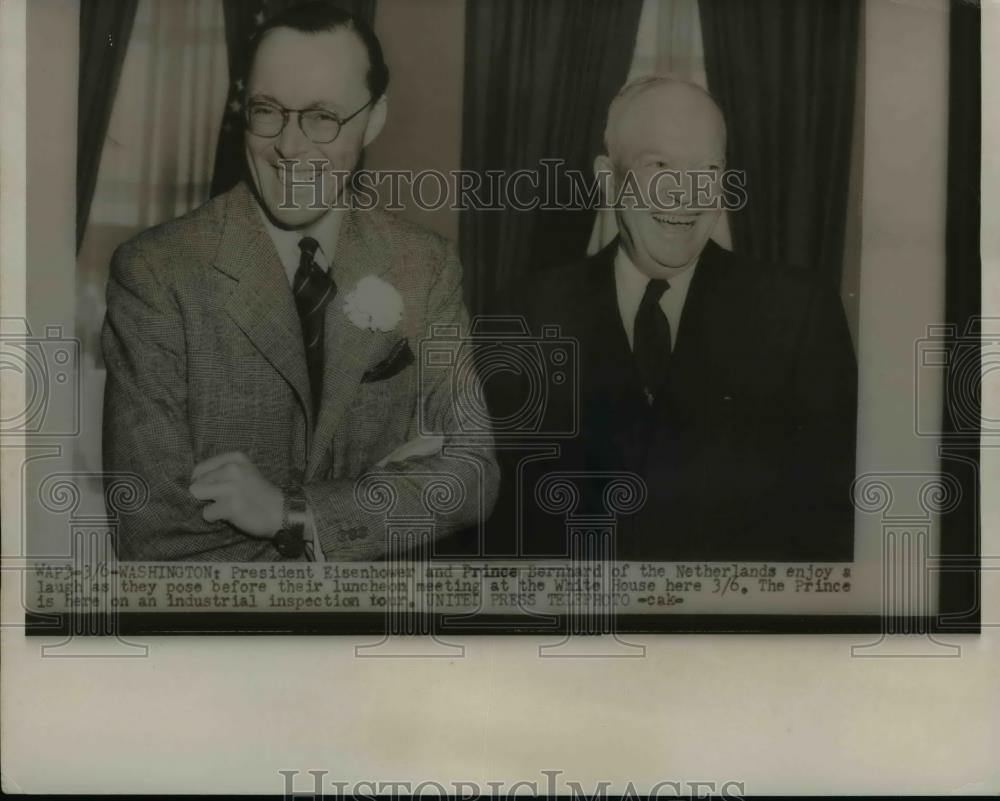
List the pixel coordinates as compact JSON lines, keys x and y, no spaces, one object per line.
{"x":205,"y":355}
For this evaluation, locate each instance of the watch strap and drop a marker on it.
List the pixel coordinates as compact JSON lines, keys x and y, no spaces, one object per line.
{"x":290,"y":539}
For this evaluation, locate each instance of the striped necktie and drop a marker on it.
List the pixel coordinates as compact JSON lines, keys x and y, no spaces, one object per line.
{"x":313,"y":289}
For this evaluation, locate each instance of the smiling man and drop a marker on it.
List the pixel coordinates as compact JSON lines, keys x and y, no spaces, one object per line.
{"x":261,"y":350}
{"x":728,"y":385}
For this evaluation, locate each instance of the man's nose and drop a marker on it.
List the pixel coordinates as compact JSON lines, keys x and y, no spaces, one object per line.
{"x":292,"y":143}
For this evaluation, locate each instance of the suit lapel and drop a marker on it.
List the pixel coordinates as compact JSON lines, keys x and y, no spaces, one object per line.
{"x":349,"y":350}
{"x":722,"y":303}
{"x":610,"y":342}
{"x":612,"y":378}
{"x":261,"y":302}
{"x":712,"y":315}
{"x":714,"y":327}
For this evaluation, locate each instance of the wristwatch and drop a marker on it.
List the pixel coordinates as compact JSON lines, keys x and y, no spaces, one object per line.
{"x":290,"y":539}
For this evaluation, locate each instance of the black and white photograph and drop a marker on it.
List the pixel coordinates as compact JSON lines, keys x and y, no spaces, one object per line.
{"x":627,"y":312}
{"x":439,"y":389}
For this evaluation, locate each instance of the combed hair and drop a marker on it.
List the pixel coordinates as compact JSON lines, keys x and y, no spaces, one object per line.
{"x":322,"y":16}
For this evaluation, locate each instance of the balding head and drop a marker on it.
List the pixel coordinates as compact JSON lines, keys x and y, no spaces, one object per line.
{"x":653,"y":103}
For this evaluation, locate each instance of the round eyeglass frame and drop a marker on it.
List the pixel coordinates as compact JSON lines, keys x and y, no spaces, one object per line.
{"x":287,"y":112}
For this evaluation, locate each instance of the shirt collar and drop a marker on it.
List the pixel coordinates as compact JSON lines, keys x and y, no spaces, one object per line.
{"x":636,"y":279}
{"x":325,"y":230}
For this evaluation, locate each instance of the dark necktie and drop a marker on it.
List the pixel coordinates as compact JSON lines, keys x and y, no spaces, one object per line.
{"x":651,"y":339}
{"x":313,"y":289}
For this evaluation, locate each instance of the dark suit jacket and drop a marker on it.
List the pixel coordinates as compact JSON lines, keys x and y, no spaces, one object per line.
{"x":204,"y":353}
{"x":748,"y":452}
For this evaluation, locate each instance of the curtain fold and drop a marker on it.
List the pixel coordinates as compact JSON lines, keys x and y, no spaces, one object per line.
{"x":964,"y":151}
{"x":783,"y":72}
{"x":105,"y":27}
{"x":538,"y":81}
{"x":243,"y":19}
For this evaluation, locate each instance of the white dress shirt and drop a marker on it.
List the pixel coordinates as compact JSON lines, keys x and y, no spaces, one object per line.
{"x":326,"y":231}
{"x":630,"y":285}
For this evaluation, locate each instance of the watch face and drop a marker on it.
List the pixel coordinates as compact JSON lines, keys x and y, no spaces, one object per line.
{"x":289,"y":542}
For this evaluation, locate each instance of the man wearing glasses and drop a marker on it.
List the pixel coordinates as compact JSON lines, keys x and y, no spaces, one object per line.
{"x":260,"y":350}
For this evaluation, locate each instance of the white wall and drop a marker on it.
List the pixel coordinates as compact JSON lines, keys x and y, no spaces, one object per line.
{"x":423,"y":44}
{"x":903,"y":225}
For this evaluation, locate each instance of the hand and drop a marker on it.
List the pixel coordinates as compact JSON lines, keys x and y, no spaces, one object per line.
{"x":239,"y":494}
{"x":419,"y":446}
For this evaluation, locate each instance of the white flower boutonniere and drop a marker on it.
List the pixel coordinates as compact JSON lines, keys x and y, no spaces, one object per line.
{"x":374,"y":305}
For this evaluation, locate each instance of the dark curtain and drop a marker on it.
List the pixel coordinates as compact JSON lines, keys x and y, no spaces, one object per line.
{"x":105,"y":27}
{"x":783,"y":72}
{"x":538,"y":80}
{"x":243,"y":19}
{"x":962,"y":403}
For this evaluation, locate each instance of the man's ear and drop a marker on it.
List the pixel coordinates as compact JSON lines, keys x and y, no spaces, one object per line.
{"x":376,"y":120}
{"x":604,"y":173}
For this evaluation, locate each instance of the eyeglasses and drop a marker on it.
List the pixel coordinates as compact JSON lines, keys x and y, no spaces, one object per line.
{"x":319,"y":125}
